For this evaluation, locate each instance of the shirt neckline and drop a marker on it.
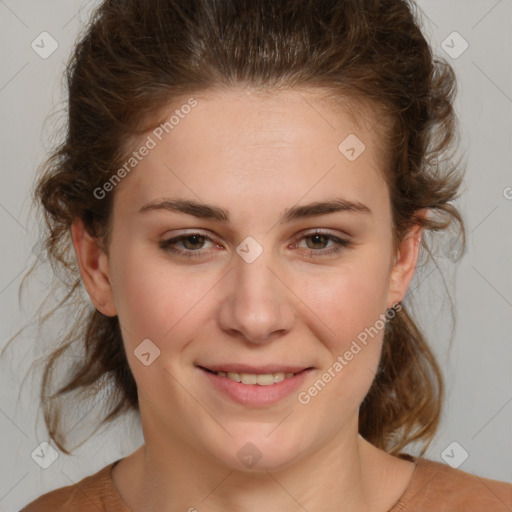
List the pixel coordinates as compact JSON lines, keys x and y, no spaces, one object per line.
{"x":404,"y":498}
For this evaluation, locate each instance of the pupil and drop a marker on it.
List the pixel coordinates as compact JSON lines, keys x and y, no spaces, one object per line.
{"x":318,"y":239}
{"x":196,"y":239}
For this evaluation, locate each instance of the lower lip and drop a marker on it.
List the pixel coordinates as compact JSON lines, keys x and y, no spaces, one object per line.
{"x":254,"y":394}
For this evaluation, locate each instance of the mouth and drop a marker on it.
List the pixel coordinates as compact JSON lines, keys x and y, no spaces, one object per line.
{"x":260,"y":378}
{"x":254,"y":386}
{"x":260,"y":386}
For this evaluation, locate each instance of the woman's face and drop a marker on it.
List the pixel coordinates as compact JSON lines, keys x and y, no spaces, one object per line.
{"x":250,"y":287}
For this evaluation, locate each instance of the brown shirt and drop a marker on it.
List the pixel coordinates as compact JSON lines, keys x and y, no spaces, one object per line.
{"x":434,"y":487}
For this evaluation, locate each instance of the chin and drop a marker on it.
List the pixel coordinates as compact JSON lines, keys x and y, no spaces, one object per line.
{"x":266,"y":447}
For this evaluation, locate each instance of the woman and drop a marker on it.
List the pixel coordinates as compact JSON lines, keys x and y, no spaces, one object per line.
{"x":243,"y":192}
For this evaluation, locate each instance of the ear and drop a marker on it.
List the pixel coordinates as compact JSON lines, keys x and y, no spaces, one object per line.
{"x":93,"y":263}
{"x":404,"y":266}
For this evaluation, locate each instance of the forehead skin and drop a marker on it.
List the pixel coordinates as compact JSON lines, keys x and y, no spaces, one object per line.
{"x":247,"y":149}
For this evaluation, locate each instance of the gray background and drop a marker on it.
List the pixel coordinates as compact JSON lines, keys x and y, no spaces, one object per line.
{"x":478,"y":409}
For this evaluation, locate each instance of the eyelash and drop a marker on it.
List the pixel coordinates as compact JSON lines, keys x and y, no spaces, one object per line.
{"x":167,"y":245}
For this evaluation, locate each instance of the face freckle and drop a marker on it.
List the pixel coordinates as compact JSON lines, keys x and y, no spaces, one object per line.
{"x":263,"y":188}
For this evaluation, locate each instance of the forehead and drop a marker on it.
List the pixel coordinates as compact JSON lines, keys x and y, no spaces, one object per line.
{"x":246,"y":140}
{"x":275,"y":115}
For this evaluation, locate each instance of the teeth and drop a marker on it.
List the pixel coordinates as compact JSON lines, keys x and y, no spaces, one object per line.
{"x":262,"y":379}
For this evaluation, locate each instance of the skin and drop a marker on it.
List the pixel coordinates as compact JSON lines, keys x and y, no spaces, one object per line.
{"x":254,"y":156}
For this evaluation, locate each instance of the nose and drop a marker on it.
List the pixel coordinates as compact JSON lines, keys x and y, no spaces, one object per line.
{"x":257,"y":304}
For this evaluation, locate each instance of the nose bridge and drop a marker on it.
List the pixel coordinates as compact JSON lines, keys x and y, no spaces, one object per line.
{"x":256,"y":305}
{"x":255,"y":283}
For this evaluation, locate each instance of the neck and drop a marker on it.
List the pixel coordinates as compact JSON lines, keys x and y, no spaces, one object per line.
{"x":347,"y":474}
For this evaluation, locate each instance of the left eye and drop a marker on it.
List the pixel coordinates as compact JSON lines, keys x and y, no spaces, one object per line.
{"x":194,"y":242}
{"x":318,"y":239}
{"x":322,"y":238}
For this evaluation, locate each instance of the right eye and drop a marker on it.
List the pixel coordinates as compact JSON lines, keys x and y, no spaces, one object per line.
{"x":192,"y":243}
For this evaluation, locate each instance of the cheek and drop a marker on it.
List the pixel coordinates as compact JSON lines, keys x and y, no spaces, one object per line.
{"x":157,"y":305}
{"x":156,"y":300}
{"x":350,"y":302}
{"x":350,"y":298}
{"x":349,"y":305}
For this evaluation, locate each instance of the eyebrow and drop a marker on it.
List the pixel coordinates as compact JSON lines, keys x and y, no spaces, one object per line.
{"x":207,"y":211}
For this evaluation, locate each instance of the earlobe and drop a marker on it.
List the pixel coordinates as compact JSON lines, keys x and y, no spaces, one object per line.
{"x":404,"y":265}
{"x":93,"y":264}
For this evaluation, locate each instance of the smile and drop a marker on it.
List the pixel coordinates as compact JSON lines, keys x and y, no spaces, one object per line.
{"x":255,"y":387}
{"x":261,"y":379}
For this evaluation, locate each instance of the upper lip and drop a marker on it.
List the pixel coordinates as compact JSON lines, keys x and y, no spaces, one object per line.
{"x":246,"y":368}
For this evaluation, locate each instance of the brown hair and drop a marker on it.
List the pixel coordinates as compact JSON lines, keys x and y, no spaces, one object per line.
{"x":137,"y":56}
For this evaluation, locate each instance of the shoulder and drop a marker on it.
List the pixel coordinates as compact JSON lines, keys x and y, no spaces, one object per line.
{"x":94,"y":492}
{"x":437,"y":486}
